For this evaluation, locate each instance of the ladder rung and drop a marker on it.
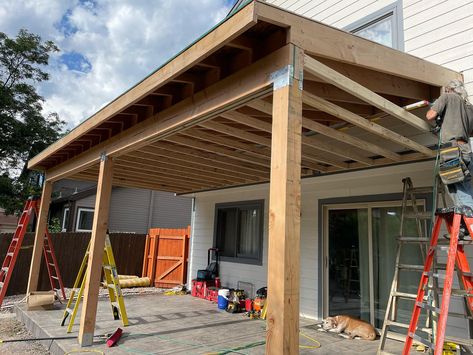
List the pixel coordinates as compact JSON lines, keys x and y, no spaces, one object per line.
{"x":460,"y":341}
{"x":411,"y":296}
{"x":413,"y":240}
{"x":1,"y":285}
{"x":10,"y":254}
{"x":434,"y":274}
{"x":467,"y":274}
{"x":428,"y":306}
{"x":52,"y":264}
{"x":419,"y":215}
{"x":5,"y":269}
{"x":107,"y":267}
{"x":420,"y":190}
{"x":411,"y":267}
{"x":422,"y":340}
{"x":55,"y":277}
{"x":406,"y":326}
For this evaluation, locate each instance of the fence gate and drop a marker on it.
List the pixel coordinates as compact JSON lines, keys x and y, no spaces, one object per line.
{"x":166,"y":253}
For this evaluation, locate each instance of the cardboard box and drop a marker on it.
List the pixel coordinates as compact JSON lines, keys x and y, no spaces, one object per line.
{"x":40,"y":300}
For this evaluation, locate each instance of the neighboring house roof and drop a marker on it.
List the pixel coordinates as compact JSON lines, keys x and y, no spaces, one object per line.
{"x":76,"y":196}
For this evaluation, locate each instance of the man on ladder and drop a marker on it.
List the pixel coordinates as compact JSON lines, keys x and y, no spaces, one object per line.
{"x":454,"y":116}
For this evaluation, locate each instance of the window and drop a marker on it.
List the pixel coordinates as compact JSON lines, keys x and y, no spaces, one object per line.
{"x":85,"y":217}
{"x":65,"y":219}
{"x":384,"y":26}
{"x":239,"y":231}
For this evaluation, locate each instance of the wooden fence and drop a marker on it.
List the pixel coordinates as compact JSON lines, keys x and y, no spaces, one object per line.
{"x":166,"y":256}
{"x":70,"y":248}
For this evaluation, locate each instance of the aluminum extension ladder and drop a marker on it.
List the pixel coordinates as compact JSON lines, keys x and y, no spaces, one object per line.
{"x":112,"y":284}
{"x":31,"y":206}
{"x":455,"y":256}
{"x":393,"y":328}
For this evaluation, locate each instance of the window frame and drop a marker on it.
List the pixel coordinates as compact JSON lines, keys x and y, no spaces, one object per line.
{"x":79,"y":210}
{"x":63,"y":224}
{"x":395,"y":11}
{"x":259,"y":204}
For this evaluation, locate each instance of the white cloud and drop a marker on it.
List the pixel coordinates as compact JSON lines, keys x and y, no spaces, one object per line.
{"x":112,"y":43}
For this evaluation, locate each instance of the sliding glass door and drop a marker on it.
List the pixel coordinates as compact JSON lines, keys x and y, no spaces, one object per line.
{"x":360,"y":252}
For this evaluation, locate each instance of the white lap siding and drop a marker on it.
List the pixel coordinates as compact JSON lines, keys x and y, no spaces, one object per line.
{"x":361,"y":183}
{"x":439,"y":31}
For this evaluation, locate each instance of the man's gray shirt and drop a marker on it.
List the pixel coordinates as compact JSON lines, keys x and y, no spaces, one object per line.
{"x":457,"y":117}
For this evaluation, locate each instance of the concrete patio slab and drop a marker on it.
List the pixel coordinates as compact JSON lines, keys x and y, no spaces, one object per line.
{"x":162,"y":324}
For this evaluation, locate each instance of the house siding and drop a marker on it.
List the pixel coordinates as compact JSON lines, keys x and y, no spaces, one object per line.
{"x":439,"y":31}
{"x":137,"y":210}
{"x":350,"y":185}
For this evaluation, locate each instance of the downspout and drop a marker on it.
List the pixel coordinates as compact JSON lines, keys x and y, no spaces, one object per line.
{"x":150,"y":210}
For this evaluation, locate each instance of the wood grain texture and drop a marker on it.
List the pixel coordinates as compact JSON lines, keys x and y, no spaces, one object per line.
{"x":97,"y":244}
{"x":284,"y":221}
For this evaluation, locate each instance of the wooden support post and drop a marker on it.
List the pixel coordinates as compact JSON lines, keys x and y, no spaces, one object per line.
{"x":97,"y":244}
{"x":41,"y":226}
{"x":284,"y":218}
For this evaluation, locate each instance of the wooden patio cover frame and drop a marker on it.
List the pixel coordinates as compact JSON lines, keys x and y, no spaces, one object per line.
{"x":204,"y":120}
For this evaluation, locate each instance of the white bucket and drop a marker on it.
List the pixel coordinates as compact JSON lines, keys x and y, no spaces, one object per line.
{"x":224,"y":292}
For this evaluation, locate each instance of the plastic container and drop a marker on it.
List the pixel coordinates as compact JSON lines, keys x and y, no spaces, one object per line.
{"x":225,"y":292}
{"x":248,"y":304}
{"x":222,"y":302}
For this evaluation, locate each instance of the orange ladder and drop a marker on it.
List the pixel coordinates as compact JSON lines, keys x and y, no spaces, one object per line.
{"x":456,"y":256}
{"x":31,"y":206}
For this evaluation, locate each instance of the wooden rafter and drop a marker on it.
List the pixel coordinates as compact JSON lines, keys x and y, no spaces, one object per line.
{"x":371,"y":127}
{"x":340,"y":136}
{"x":333,"y":77}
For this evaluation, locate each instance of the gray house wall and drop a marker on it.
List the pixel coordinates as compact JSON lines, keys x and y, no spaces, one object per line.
{"x":137,"y":210}
{"x":131,"y":210}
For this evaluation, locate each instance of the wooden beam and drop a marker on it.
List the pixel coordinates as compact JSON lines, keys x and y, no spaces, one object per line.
{"x":284,"y":223}
{"x":178,"y":173}
{"x":365,"y":124}
{"x":198,"y":51}
{"x":266,"y":107}
{"x":239,"y":133}
{"x":339,"y":45}
{"x":308,"y":141}
{"x":210,"y":159}
{"x":41,"y":227}
{"x":136,"y":185}
{"x":97,"y":244}
{"x":333,"y":77}
{"x":376,"y":81}
{"x":228,"y":93}
{"x":261,"y":162}
{"x":170,"y":162}
{"x":261,"y":151}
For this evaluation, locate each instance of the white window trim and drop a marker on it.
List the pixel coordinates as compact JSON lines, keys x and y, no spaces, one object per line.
{"x":63,"y":226}
{"x":398,"y":24}
{"x":79,"y":210}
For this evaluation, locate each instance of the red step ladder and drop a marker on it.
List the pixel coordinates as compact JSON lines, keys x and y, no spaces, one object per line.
{"x":456,"y":256}
{"x":31,"y":206}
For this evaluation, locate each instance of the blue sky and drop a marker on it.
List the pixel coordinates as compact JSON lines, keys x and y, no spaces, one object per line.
{"x":106,"y":46}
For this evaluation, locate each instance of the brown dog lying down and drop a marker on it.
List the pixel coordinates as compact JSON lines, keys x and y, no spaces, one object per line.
{"x":353,"y":327}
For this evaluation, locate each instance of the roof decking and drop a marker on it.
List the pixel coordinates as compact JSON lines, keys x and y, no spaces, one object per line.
{"x":203,"y":120}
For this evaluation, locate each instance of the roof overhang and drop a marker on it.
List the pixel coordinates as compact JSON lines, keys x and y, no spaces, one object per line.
{"x":203,"y":119}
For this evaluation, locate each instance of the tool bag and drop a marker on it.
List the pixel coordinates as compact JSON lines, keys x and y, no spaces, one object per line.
{"x":452,"y":168}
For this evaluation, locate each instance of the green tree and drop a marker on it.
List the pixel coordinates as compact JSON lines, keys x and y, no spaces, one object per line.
{"x":24,"y":130}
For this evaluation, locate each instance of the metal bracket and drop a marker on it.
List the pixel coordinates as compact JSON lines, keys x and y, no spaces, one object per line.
{"x":103,"y":156}
{"x":282,"y":77}
{"x":301,"y":80}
